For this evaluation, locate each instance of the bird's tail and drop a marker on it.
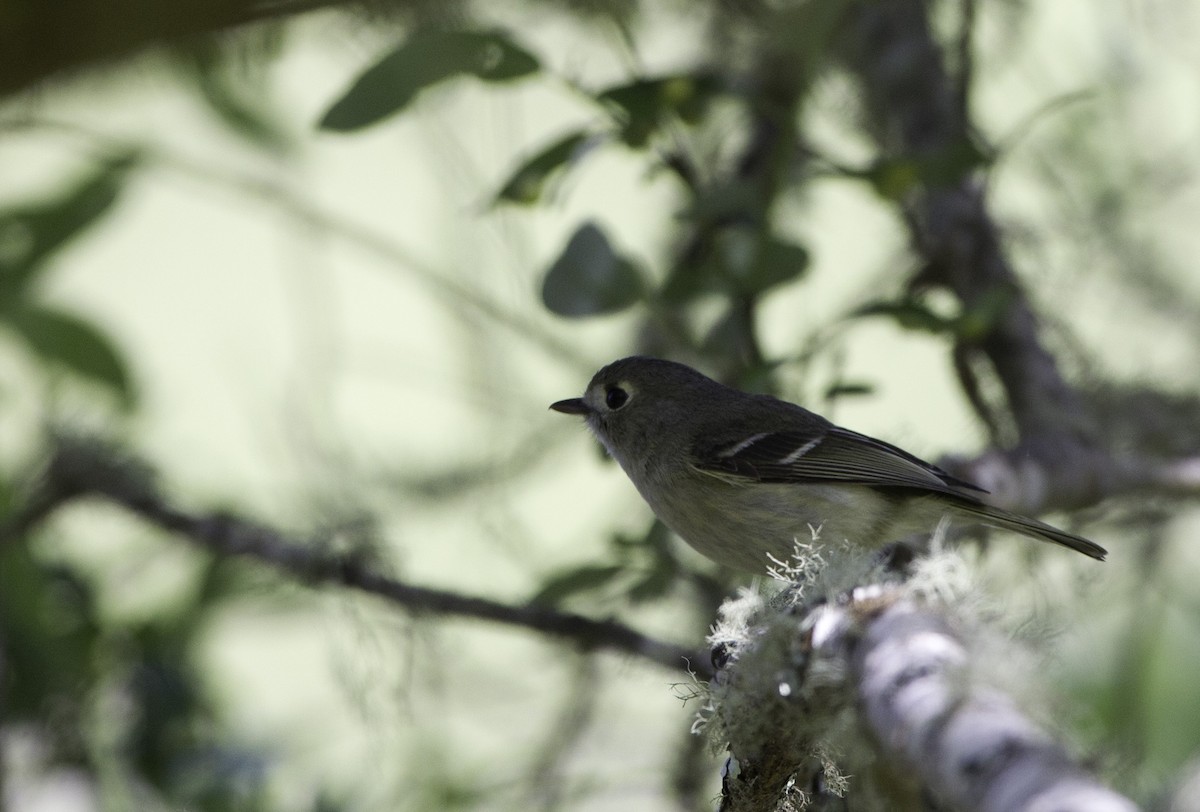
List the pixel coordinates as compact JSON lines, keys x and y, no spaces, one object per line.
{"x":995,"y":517}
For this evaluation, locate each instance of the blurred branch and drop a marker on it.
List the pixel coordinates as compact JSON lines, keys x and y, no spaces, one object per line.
{"x":1060,"y":457}
{"x":85,"y":468}
{"x":965,"y":54}
{"x":691,"y":772}
{"x":880,"y":663}
{"x":549,"y":783}
{"x":915,"y":114}
{"x":1026,"y":484}
{"x":37,"y":43}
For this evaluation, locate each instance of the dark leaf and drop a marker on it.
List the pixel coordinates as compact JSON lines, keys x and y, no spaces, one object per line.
{"x":738,"y":260}
{"x":424,"y":59}
{"x":569,"y":583}
{"x":654,"y":584}
{"x":30,"y":233}
{"x":233,"y":79}
{"x":642,"y":106}
{"x":528,"y":182}
{"x":77,"y":345}
{"x":589,"y":278}
{"x":981,"y":319}
{"x":894,"y":178}
{"x":695,"y":273}
{"x":726,"y":202}
{"x":776,"y":262}
{"x":727,"y":335}
{"x":656,"y":540}
{"x":953,"y":163}
{"x":910,"y":314}
{"x":663,"y":568}
{"x":969,"y":325}
{"x":50,"y":634}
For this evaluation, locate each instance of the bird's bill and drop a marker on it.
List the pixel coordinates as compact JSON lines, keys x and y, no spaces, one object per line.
{"x":571,"y":406}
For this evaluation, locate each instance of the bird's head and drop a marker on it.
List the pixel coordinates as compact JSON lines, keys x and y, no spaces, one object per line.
{"x":640,"y":403}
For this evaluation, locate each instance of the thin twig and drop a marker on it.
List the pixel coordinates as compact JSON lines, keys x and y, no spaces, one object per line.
{"x":80,"y":469}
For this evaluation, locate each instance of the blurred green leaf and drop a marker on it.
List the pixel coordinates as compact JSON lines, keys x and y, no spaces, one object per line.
{"x":80,"y":347}
{"x":656,"y":539}
{"x":725,"y":338}
{"x":695,"y":273}
{"x":569,"y":583}
{"x":776,"y":262}
{"x":233,"y":78}
{"x":642,"y":106}
{"x":589,"y":278}
{"x":968,"y":325}
{"x":910,"y":313}
{"x":976,"y":322}
{"x":959,"y":159}
{"x":725,"y":202}
{"x":164,"y":689}
{"x":426,"y":58}
{"x":736,"y":260}
{"x":654,"y":584}
{"x":802,"y":35}
{"x":894,"y":177}
{"x":49,"y":627}
{"x":528,"y":182}
{"x":30,"y":233}
{"x":650,"y":560}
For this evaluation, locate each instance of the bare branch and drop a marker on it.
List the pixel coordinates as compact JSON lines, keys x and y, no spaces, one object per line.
{"x":916,"y":114}
{"x":1062,"y":455}
{"x":965,"y":48}
{"x":805,"y":686}
{"x":1019,"y":482}
{"x":80,"y":469}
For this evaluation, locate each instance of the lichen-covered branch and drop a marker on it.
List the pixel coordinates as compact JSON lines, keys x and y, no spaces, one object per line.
{"x":882,"y":689}
{"x":80,"y":469}
{"x":969,"y":744}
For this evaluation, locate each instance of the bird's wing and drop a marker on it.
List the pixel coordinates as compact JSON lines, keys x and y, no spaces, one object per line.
{"x":831,"y":454}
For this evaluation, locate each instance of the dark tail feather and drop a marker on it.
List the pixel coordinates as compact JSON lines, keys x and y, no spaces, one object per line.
{"x":995,"y":517}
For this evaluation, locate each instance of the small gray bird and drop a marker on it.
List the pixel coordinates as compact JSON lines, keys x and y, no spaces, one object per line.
{"x":739,"y":476}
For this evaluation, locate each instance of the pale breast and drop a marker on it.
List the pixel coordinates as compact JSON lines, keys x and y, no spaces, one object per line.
{"x":737,"y":525}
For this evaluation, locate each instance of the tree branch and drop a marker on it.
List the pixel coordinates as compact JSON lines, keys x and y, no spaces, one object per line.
{"x":804,"y":685}
{"x":1061,"y":457}
{"x":38,"y":42}
{"x":916,"y":114}
{"x":84,"y":468}
{"x":968,"y":743}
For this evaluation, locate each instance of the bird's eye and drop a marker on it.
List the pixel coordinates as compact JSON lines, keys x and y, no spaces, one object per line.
{"x":616,"y":397}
